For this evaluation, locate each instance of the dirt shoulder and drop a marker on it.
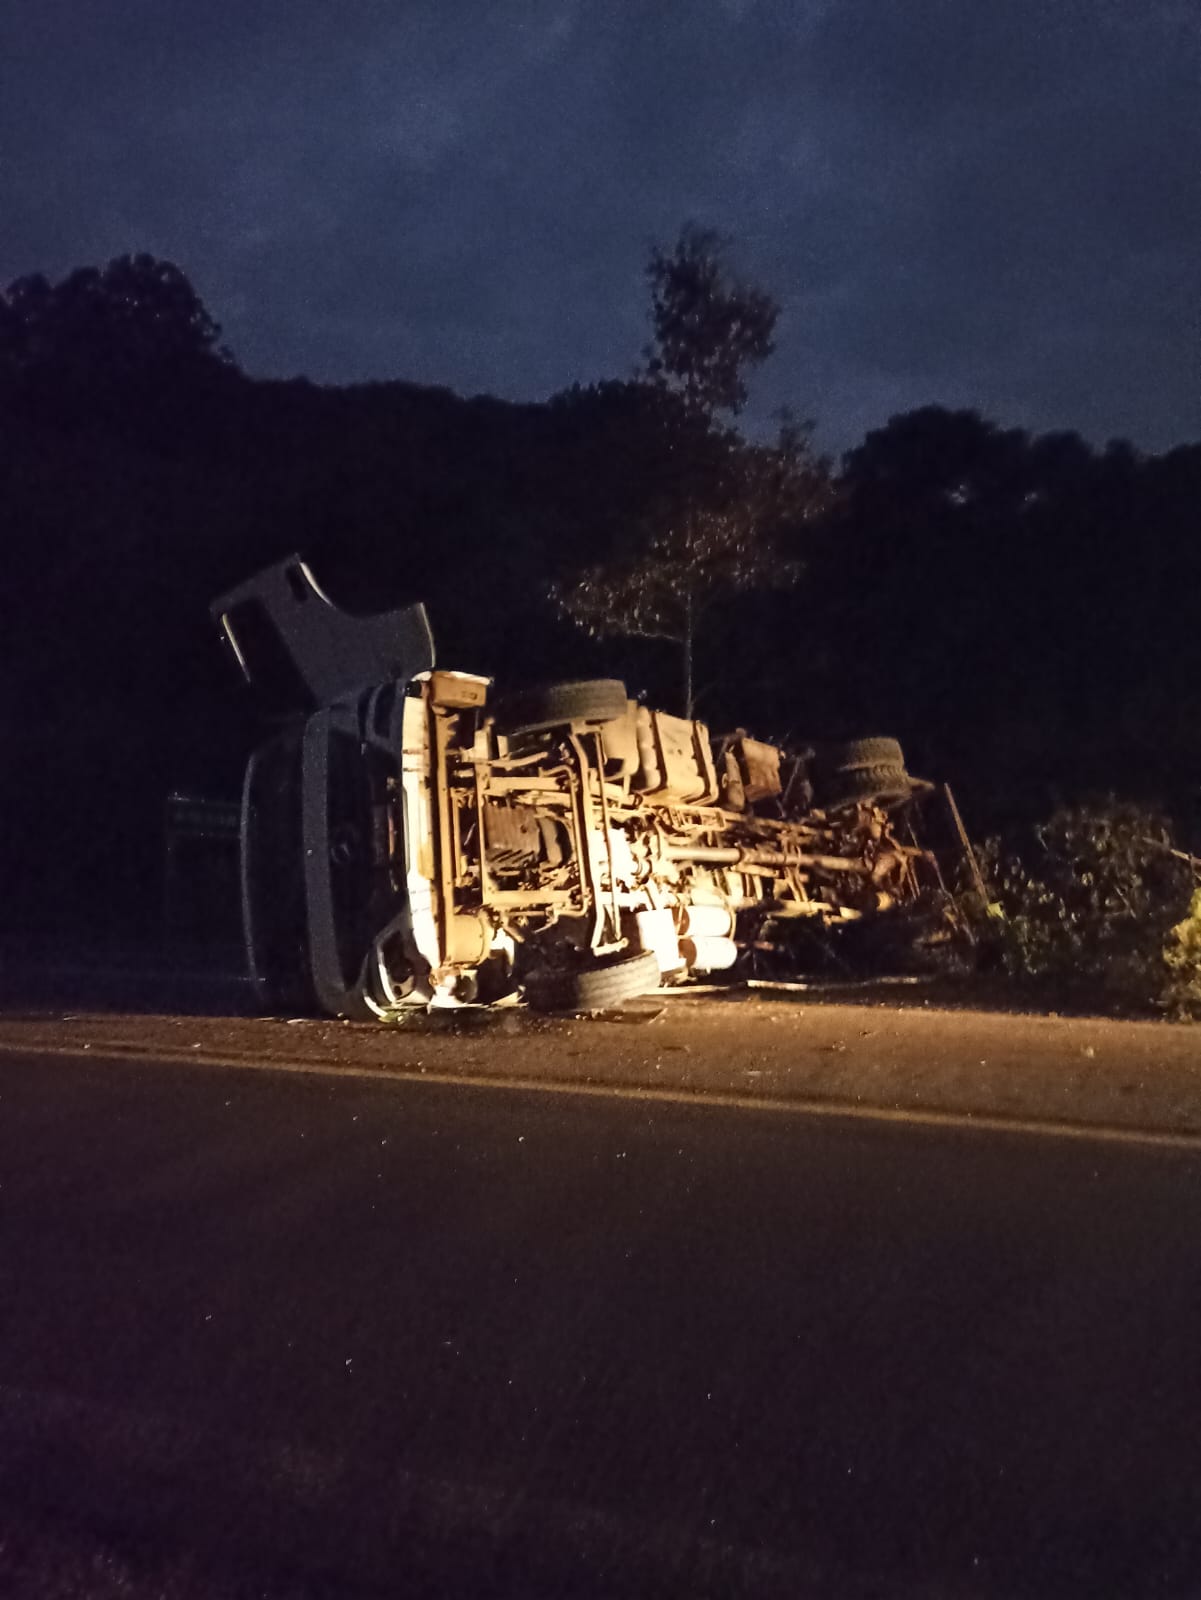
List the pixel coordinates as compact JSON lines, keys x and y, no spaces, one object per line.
{"x":873,"y":1054}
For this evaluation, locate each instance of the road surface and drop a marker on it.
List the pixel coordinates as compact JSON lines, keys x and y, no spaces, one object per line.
{"x":342,"y":1336}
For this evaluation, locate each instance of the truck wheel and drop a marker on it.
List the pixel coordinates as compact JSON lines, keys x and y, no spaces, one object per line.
{"x":867,"y":785}
{"x":860,"y":772}
{"x":596,"y":988}
{"x":588,"y":700}
{"x":859,"y":753}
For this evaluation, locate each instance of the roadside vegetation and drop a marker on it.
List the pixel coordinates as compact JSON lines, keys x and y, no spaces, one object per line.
{"x":1098,"y":899}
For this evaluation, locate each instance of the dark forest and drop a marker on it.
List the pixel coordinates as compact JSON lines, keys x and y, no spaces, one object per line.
{"x":1018,"y":610}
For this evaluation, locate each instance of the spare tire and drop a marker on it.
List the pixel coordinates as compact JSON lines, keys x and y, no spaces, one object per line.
{"x":595,"y":988}
{"x":588,"y":700}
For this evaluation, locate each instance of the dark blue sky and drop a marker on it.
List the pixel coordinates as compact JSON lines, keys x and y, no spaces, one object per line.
{"x":993,"y":203}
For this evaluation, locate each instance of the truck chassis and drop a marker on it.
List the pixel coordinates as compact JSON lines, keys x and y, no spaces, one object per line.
{"x":412,"y":838}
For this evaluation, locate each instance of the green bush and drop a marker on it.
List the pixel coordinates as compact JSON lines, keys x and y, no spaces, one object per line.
{"x":1182,"y":957}
{"x":1098,"y":897}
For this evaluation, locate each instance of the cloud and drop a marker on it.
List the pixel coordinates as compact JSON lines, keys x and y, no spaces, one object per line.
{"x":980,"y":205}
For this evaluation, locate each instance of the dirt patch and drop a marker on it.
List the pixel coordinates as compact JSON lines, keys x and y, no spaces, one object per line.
{"x":872,"y":1053}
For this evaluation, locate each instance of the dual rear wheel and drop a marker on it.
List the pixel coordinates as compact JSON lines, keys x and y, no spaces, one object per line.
{"x":862,"y":772}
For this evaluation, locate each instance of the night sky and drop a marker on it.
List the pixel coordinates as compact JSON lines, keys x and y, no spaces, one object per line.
{"x":993,"y":203}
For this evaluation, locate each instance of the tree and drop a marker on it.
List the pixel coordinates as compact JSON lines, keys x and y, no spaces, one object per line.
{"x":713,"y":510}
{"x":136,"y":321}
{"x":709,"y":327}
{"x":718,"y":532}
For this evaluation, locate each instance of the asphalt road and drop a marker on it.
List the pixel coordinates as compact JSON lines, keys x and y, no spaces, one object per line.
{"x":341,"y":1336}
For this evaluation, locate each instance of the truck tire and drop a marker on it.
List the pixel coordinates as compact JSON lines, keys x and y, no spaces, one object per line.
{"x":596,"y":988}
{"x":859,"y":753}
{"x":865,"y":785}
{"x":860,"y":772}
{"x":588,"y":700}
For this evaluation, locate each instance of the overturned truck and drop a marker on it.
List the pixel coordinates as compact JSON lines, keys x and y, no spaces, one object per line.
{"x":410,"y":838}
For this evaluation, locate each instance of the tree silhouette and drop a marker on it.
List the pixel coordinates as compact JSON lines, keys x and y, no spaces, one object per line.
{"x":709,"y":327}
{"x":714,"y":507}
{"x":698,"y":547}
{"x":131,"y":325}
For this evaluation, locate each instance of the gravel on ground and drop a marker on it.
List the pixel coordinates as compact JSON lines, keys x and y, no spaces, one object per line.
{"x":881,"y":1050}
